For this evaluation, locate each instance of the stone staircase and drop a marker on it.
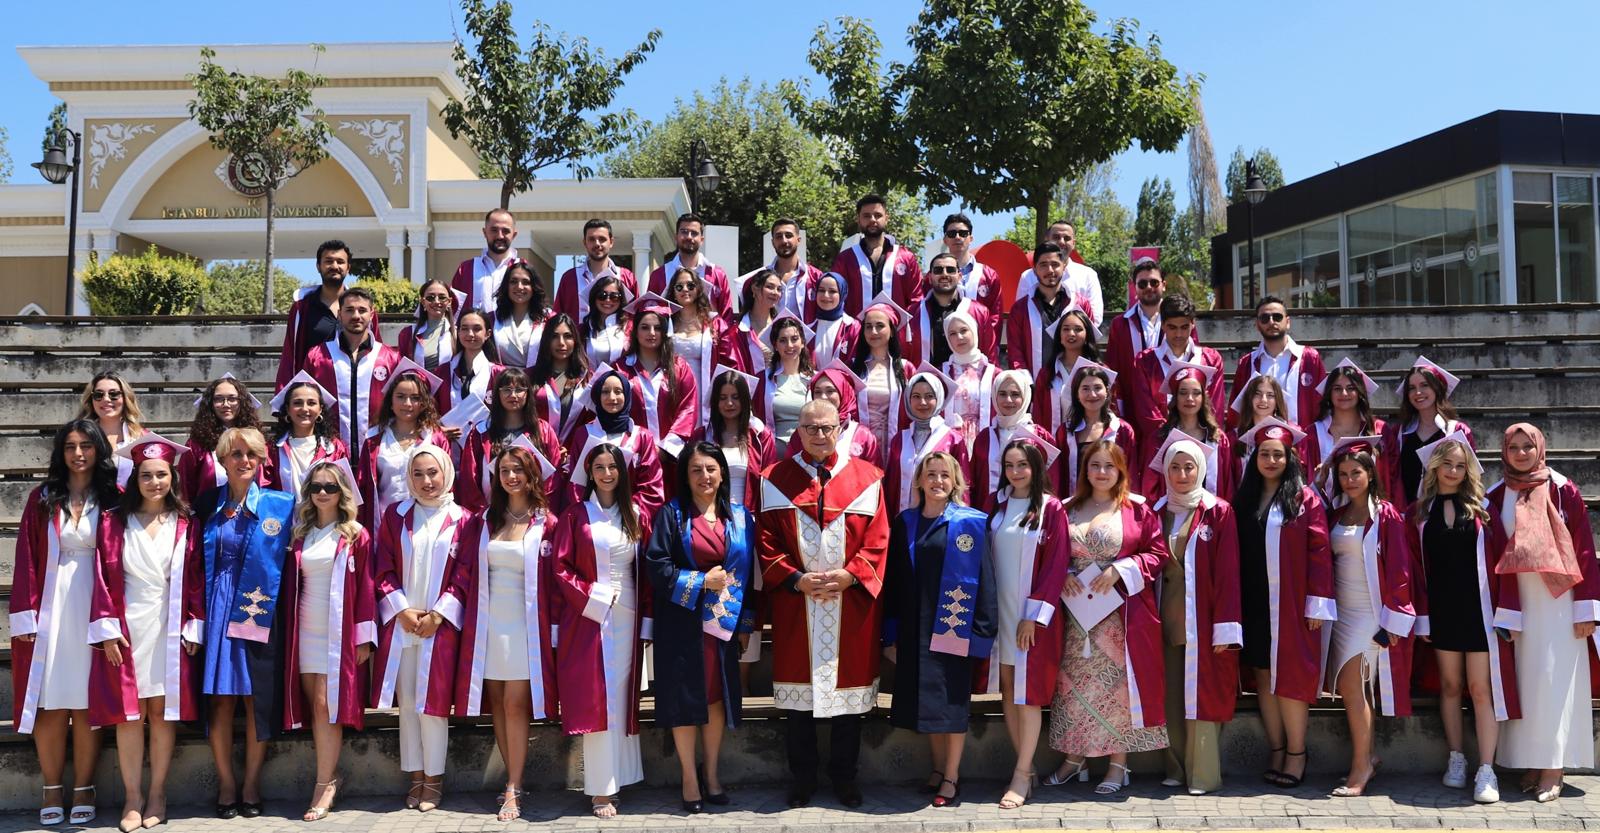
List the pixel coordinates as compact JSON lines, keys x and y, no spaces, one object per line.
{"x":1534,"y":363}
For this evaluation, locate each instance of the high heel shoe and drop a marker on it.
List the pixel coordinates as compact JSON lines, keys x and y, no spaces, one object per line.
{"x":1346,"y":791}
{"x":930,"y":789}
{"x":52,"y":816}
{"x":1270,"y":774}
{"x":1080,"y":773}
{"x":1287,"y":781}
{"x":953,"y":800}
{"x":414,"y":794}
{"x":510,"y":807}
{"x":315,"y":813}
{"x":1112,"y":785}
{"x":1007,"y":802}
{"x":1545,"y":796}
{"x":82,"y":814}
{"x":428,"y":805}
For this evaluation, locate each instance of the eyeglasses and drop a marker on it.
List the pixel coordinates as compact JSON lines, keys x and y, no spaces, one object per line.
{"x":514,"y":389}
{"x":224,"y":400}
{"x":101,"y":395}
{"x":1271,"y":317}
{"x":944,"y":270}
{"x":958,"y":232}
{"x":610,"y":296}
{"x":819,"y":430}
{"x":323,"y":489}
{"x":1148,"y":283}
{"x":683,"y":287}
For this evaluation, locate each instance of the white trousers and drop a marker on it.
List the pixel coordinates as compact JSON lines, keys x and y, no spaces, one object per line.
{"x":424,"y":739}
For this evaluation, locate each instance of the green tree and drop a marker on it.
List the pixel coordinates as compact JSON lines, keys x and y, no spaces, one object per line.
{"x":1155,"y":213}
{"x":267,"y":124}
{"x":54,"y":124}
{"x":5,"y":157}
{"x":525,"y":112}
{"x":148,"y":283}
{"x":235,"y":287}
{"x":1266,"y":166}
{"x":1186,"y":259}
{"x":1208,"y":208}
{"x":1103,"y":224}
{"x":770,"y":168}
{"x":999,"y":100}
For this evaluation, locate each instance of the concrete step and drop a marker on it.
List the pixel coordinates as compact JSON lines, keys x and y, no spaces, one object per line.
{"x":195,"y":369}
{"x":1482,"y":322}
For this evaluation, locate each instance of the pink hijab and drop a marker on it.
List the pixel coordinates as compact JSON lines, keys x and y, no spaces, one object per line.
{"x":1541,"y":543}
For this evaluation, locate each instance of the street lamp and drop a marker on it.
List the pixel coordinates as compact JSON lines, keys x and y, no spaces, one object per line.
{"x":56,"y":169}
{"x":1255,"y":190}
{"x":703,"y":174}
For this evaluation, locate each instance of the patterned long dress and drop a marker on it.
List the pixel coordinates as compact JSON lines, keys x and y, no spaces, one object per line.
{"x":1089,"y":716}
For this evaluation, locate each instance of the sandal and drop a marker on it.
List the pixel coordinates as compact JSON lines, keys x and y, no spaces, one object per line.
{"x":82,"y":814}
{"x":1080,"y":773}
{"x":414,"y":795}
{"x":604,"y":810}
{"x":1271,"y":775}
{"x":951,"y":800}
{"x":930,"y":789}
{"x":1289,"y":782}
{"x":1013,"y":799}
{"x":315,"y":813}
{"x":52,"y":816}
{"x":428,"y":805}
{"x":510,"y":809}
{"x":1111,"y":785}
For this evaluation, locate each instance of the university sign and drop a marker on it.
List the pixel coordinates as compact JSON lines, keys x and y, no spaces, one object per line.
{"x":247,"y":212}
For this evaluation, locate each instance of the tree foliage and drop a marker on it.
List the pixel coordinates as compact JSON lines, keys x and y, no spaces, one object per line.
{"x":5,"y":157}
{"x":236,"y":287}
{"x":527,"y":111}
{"x":267,"y":124}
{"x":770,"y":168}
{"x":1266,"y":166}
{"x":1208,"y":208}
{"x":145,"y":284}
{"x":1000,"y":99}
{"x":1155,"y":213}
{"x":53,"y":125}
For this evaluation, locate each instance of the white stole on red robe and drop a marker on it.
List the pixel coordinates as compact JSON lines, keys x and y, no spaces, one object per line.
{"x":911,"y":457}
{"x":1030,"y":551}
{"x":390,"y":606}
{"x":42,"y":625}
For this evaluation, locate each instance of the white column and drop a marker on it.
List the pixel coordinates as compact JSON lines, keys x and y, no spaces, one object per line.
{"x":104,"y":244}
{"x":395,"y":239}
{"x":641,"y":258}
{"x":417,"y":238}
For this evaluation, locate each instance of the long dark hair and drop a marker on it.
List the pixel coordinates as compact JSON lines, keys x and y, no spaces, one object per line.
{"x":1366,"y":460}
{"x":624,"y":495}
{"x":666,"y":358}
{"x":132,"y":498}
{"x":207,"y":426}
{"x":54,"y":494}
{"x":499,"y":499}
{"x":544,"y":366}
{"x":1363,"y":402}
{"x":1091,"y":350}
{"x":1075,"y":414}
{"x":422,"y":312}
{"x":701,"y":306}
{"x":804,"y":363}
{"x":594,"y":321}
{"x":719,"y":426}
{"x":538,"y":303}
{"x":685,"y":498}
{"x":282,"y":428}
{"x":530,"y":410}
{"x":1038,"y":483}
{"x":1441,"y":397}
{"x":752,"y":287}
{"x":863,"y":354}
{"x":488,"y":333}
{"x":1287,"y":498}
{"x":427,"y":415}
{"x":1208,"y":421}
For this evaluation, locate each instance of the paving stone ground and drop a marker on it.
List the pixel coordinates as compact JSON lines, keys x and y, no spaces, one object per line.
{"x":1397,"y":802}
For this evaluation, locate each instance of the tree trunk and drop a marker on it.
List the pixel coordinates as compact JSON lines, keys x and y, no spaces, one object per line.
{"x":505,"y":195}
{"x":266,"y":303}
{"x":1041,"y":217}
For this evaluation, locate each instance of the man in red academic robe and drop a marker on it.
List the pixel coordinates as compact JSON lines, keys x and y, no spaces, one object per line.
{"x":924,"y":339}
{"x":1145,"y":390}
{"x":354,"y":367}
{"x":1297,"y":368}
{"x":691,"y":235}
{"x":877,"y":262}
{"x":572,"y":291}
{"x":979,"y":283}
{"x":1027,"y":346}
{"x":797,"y":275}
{"x":480,"y":277}
{"x":1139,"y":328}
{"x":314,"y":316}
{"x":823,"y":545}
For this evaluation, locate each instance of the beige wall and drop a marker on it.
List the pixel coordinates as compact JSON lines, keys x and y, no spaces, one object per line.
{"x":109,"y":147}
{"x":127,"y":244}
{"x":34,"y":280}
{"x":442,"y":263}
{"x":448,"y":158}
{"x":193,"y":182}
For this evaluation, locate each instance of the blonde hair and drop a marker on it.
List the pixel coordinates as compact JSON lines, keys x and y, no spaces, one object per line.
{"x":305,"y":513}
{"x":958,"y":481}
{"x":1084,"y":491}
{"x":1470,"y":492}
{"x":131,"y":414}
{"x":250,"y":438}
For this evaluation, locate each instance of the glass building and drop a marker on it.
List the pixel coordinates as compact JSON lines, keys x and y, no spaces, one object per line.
{"x":1497,"y":210}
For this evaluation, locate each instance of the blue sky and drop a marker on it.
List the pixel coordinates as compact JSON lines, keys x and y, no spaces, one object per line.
{"x":1317,"y":83}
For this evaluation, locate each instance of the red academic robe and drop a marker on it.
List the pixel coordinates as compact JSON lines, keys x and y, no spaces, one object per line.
{"x":377,"y":366}
{"x":852,"y":436}
{"x":1050,"y":405}
{"x":916,"y":339}
{"x":32,"y":607}
{"x":1065,"y":475}
{"x":1026,"y":339}
{"x":466,"y":275}
{"x":539,"y":601}
{"x":836,"y":341}
{"x":903,"y":457}
{"x":198,"y":471}
{"x":711,"y":342}
{"x":114,"y":690}
{"x":1319,"y":442}
{"x":897,"y":417}
{"x":1389,"y":567}
{"x":741,"y":347}
{"x":1124,"y":342}
{"x":547,"y":399}
{"x":352,"y":622}
{"x":1144,"y":391}
{"x":1389,"y":456}
{"x":1299,"y":556}
{"x":291,"y":359}
{"x":985,"y":475}
{"x":712,"y":274}
{"x":1043,"y":567}
{"x":645,"y":474}
{"x":1586,"y":594}
{"x":669,"y":416}
{"x":1301,"y":397}
{"x":1212,"y":611}
{"x":761,"y":397}
{"x":584,"y":583}
{"x":1502,"y":654}
{"x":276,"y":468}
{"x":472,"y":479}
{"x":902,"y":278}
{"x":1222,"y":479}
{"x":982,"y":287}
{"x":853,"y":527}
{"x":484,"y":372}
{"x":370,"y":514}
{"x":572,"y":290}
{"x":436,"y":661}
{"x":761,"y":452}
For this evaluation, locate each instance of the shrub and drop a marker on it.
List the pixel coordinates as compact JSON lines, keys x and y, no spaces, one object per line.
{"x":145,"y":284}
{"x":236,"y":288}
{"x":393,"y":294}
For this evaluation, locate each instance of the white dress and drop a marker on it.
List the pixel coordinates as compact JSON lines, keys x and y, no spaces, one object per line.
{"x":507,"y":648}
{"x":66,"y":662}
{"x":1556,"y":730}
{"x":738,"y":469}
{"x":611,"y":759}
{"x":146,"y":587}
{"x":316,"y":595}
{"x":301,"y":452}
{"x":608,"y":345}
{"x":1358,"y":619}
{"x":393,"y":486}
{"x":1011,"y":542}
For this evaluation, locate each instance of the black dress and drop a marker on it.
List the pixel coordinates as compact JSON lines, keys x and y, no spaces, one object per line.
{"x":1255,"y":592}
{"x":1450,"y":556}
{"x":1410,"y":466}
{"x":932,"y":690}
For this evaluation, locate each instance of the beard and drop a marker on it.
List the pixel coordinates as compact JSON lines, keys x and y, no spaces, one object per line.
{"x":499,"y":247}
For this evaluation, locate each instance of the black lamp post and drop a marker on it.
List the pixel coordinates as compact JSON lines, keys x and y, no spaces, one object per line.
{"x":56,"y":169}
{"x":703,"y":173}
{"x":1255,"y":190}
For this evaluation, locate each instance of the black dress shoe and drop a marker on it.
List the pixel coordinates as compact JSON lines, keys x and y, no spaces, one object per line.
{"x":848,"y":793}
{"x":250,"y":809}
{"x":228,"y":811}
{"x":720,"y":799}
{"x":695,"y":806}
{"x":800,"y":794}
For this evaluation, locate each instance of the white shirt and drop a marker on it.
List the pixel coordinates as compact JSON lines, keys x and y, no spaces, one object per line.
{"x":486,"y":277}
{"x":586,"y":281}
{"x":363,"y":391}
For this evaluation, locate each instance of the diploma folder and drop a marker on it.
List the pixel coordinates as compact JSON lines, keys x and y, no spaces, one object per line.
{"x":1090,"y":607}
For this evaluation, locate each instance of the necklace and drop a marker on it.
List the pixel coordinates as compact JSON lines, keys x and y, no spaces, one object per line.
{"x":519,"y":518}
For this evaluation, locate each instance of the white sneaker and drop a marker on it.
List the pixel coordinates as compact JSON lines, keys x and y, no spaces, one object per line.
{"x":1486,"y":787}
{"x":1455,"y":775}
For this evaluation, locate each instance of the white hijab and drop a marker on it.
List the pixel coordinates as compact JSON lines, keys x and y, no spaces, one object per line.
{"x":1186,"y":501}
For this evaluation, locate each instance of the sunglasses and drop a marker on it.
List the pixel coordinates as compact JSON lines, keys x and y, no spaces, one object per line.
{"x":610,"y":296}
{"x":958,"y":232}
{"x":323,"y":488}
{"x":944,"y":270}
{"x":1148,"y":283}
{"x":102,"y":395}
{"x":683,"y":287}
{"x":1271,"y":317}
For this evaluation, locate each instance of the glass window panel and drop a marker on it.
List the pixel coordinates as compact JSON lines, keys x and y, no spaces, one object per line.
{"x":1320,"y":238}
{"x":1576,"y":237}
{"x":1371,"y":230}
{"x":1419,"y":215}
{"x":1530,"y":187}
{"x":1536,"y":252}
